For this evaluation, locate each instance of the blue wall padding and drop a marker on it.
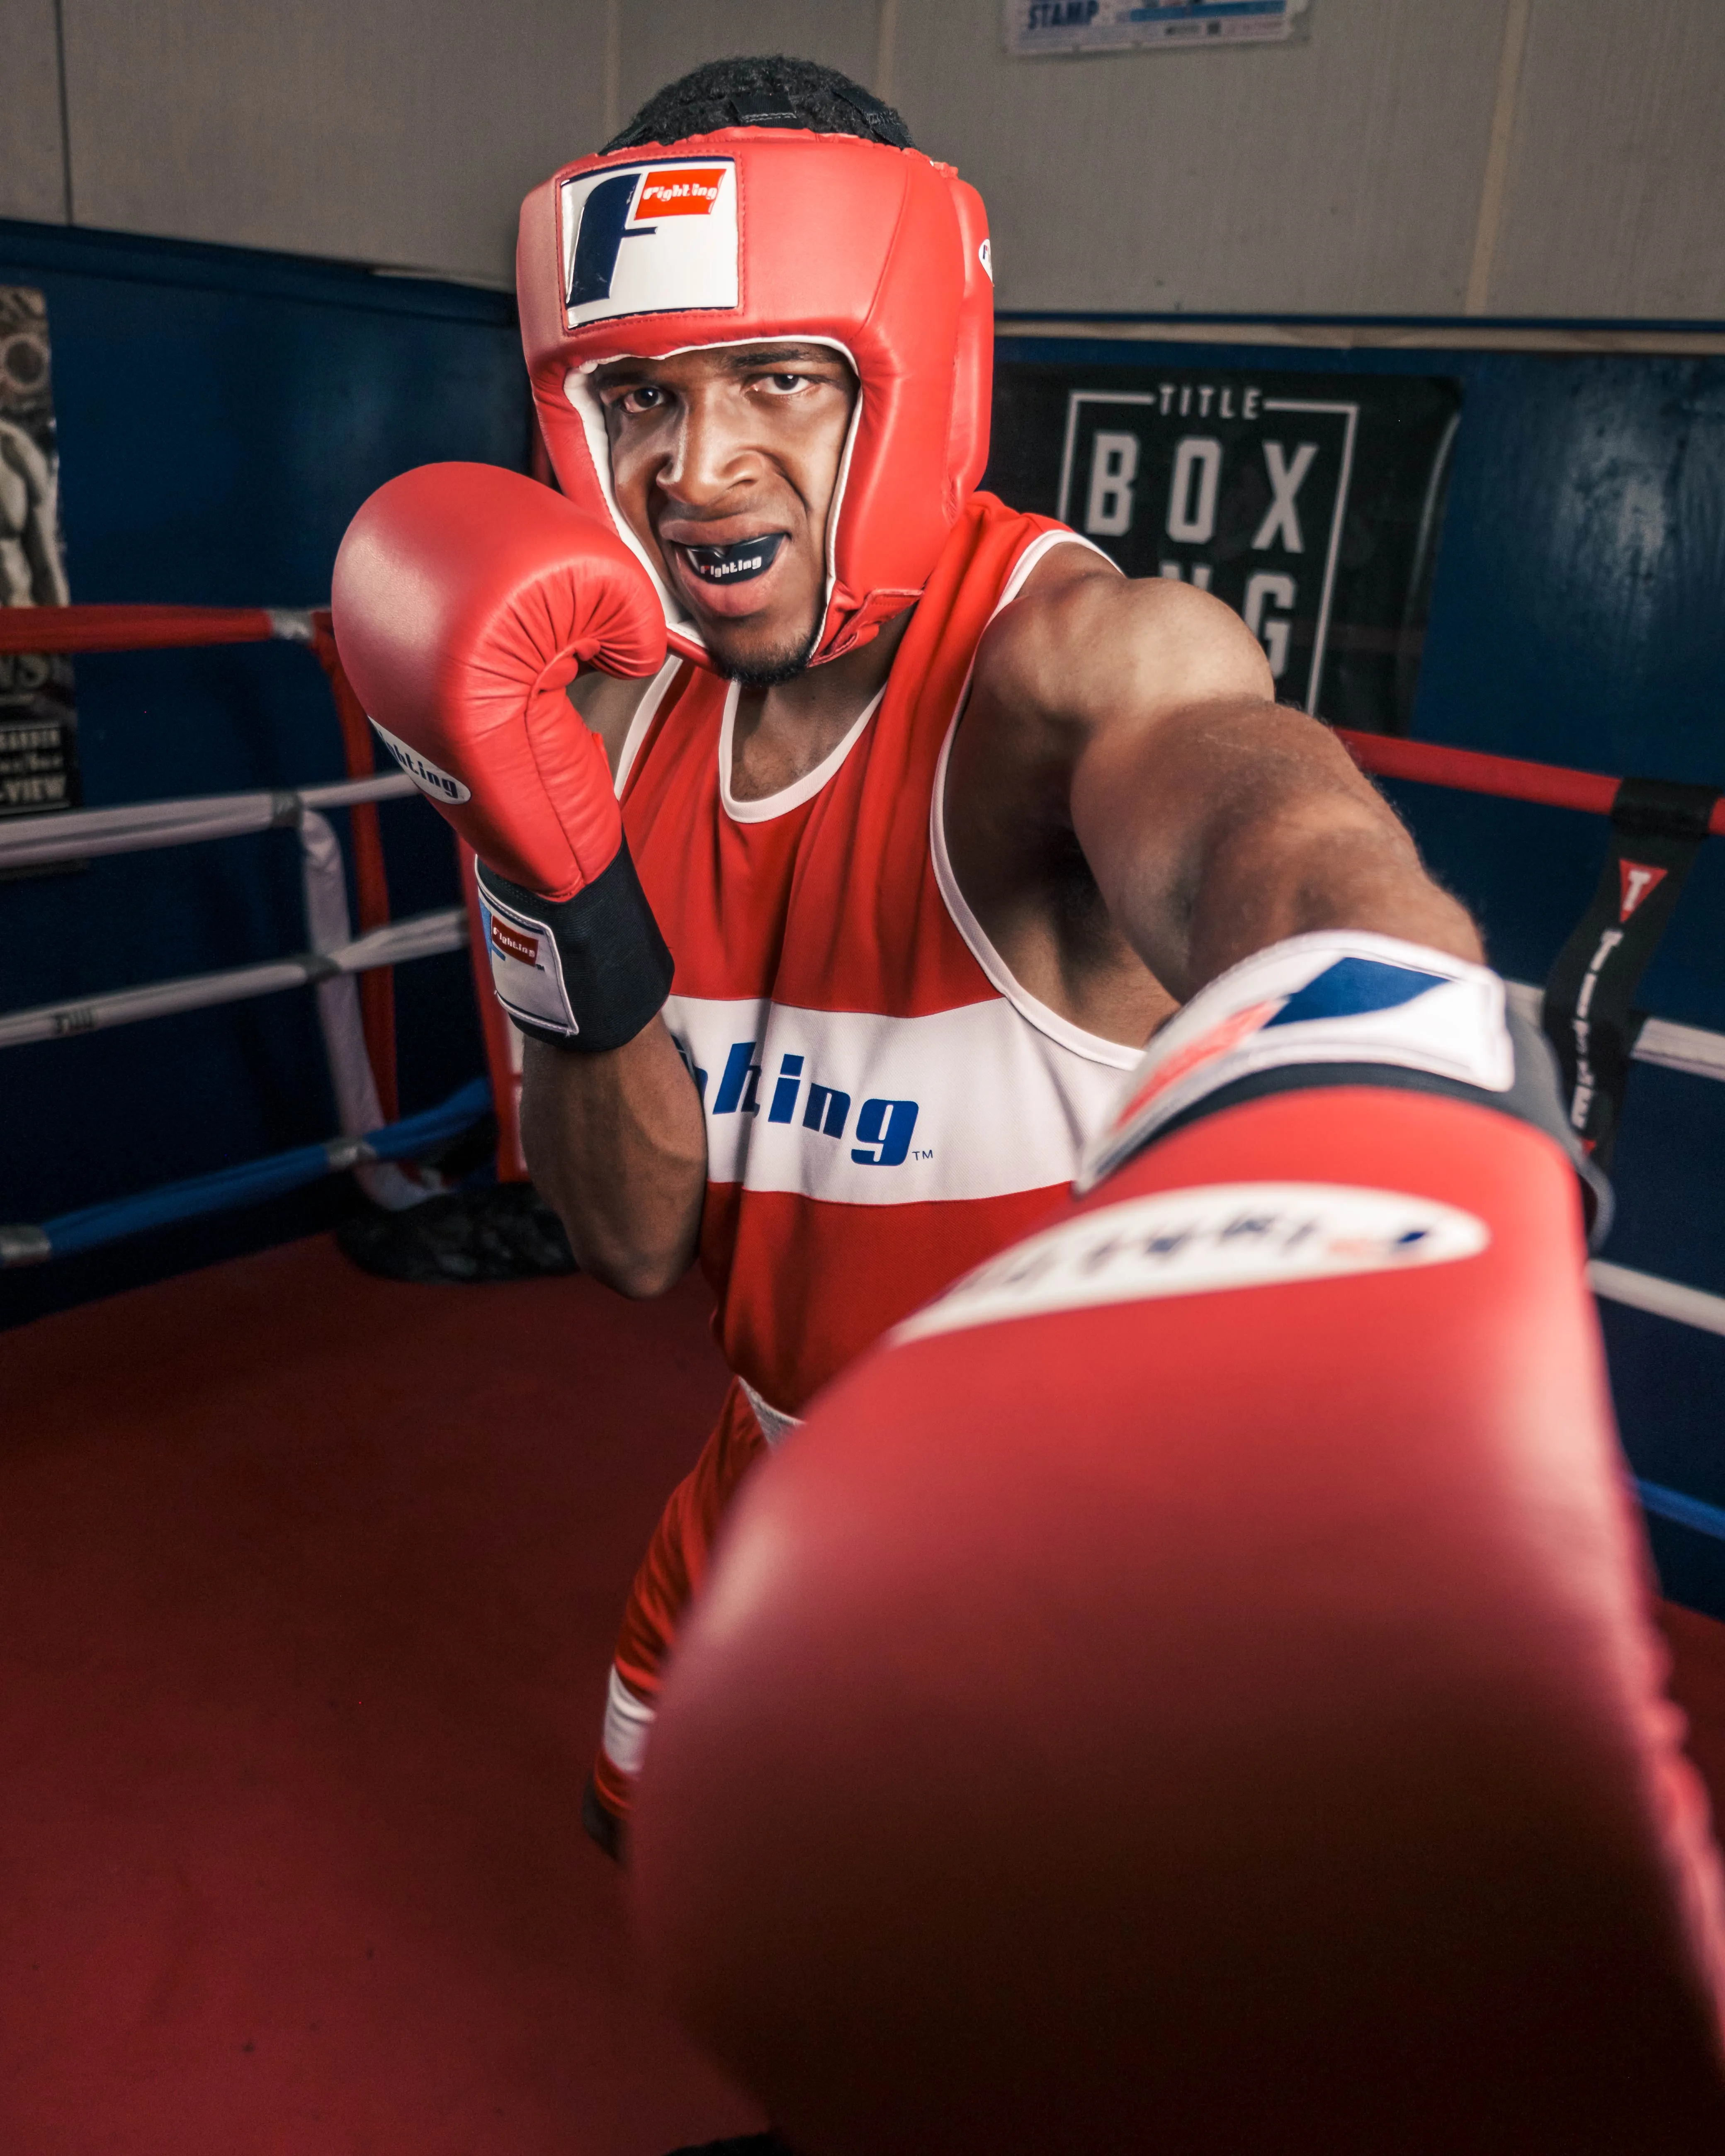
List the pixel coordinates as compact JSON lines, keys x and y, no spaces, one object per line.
{"x":221,"y":416}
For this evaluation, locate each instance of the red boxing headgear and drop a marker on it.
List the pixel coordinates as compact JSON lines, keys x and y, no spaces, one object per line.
{"x":754,"y":233}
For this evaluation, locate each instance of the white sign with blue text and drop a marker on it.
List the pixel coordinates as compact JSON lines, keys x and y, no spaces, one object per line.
{"x":1077,"y":26}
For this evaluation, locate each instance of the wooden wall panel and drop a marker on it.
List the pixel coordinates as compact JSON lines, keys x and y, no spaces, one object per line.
{"x":1615,"y":203}
{"x":1338,"y":176}
{"x":1343,"y":175}
{"x":31,"y":175}
{"x":403,"y":132}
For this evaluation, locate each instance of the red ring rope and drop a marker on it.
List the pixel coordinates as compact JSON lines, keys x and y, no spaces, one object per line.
{"x":135,"y":628}
{"x":130,"y":628}
{"x":1470,"y":771}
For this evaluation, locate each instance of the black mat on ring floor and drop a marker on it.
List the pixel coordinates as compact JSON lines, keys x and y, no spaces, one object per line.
{"x":488,"y":1232}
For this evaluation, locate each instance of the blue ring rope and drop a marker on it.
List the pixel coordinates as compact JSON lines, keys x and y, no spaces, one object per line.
{"x":1685,"y":1512}
{"x":91,"y":1226}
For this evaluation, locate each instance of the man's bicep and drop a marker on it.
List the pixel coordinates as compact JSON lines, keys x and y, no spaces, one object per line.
{"x":1090,"y":676}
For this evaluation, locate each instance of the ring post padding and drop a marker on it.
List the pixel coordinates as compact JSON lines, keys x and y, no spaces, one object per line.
{"x":351,"y":1079}
{"x":370,"y":881}
{"x":1657,"y":828}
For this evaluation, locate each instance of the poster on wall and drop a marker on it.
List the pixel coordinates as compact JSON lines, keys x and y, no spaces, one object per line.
{"x":1101,"y":26}
{"x":38,"y":722}
{"x":1311,"y":503}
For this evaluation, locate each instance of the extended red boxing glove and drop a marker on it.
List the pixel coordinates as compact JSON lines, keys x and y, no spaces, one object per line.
{"x":464,"y":599}
{"x":1194,"y":1688}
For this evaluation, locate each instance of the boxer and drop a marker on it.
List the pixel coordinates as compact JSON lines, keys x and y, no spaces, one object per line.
{"x":888,"y":822}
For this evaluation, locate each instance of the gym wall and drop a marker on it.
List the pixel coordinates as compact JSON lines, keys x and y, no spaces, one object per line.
{"x":1557,"y":158}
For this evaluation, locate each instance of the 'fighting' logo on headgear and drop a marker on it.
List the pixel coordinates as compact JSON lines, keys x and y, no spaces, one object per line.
{"x":685,"y":214}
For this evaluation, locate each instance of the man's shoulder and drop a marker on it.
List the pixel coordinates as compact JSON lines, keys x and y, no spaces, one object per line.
{"x":985,"y":520}
{"x":990,"y":553}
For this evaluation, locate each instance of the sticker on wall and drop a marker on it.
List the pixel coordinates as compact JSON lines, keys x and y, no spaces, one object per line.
{"x":1311,"y":503}
{"x":38,"y":725}
{"x":1101,"y":26}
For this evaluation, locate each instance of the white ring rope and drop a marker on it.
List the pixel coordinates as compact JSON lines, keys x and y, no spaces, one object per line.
{"x":1673,"y":1047}
{"x":335,"y":957}
{"x":330,"y":961}
{"x":78,"y":834}
{"x":420,"y":936}
{"x":1664,"y":1298}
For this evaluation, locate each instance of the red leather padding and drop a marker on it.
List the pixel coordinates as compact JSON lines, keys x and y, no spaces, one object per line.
{"x":881,"y":250}
{"x":1229,"y":1723}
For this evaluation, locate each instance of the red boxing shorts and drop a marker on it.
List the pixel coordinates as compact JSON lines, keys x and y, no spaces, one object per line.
{"x":669,"y":1576}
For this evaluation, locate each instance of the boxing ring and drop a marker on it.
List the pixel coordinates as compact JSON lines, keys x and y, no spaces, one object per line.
{"x":348,"y":1794}
{"x":349,"y":974}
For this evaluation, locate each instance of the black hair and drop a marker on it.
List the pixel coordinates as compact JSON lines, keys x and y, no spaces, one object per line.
{"x":767,"y":91}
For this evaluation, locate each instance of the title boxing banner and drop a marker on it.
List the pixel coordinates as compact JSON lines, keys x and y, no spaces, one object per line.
{"x":38,"y":722}
{"x":1101,"y":26}
{"x":1311,"y":503}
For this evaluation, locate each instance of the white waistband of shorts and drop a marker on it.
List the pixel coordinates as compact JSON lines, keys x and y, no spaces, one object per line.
{"x":776,"y":1425}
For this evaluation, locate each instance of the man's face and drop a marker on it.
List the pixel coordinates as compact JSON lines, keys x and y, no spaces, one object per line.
{"x":724,"y":461}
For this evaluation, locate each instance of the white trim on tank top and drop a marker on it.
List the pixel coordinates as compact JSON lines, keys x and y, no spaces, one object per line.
{"x":1092,"y":1045}
{"x":645,"y":713}
{"x":799,"y":790}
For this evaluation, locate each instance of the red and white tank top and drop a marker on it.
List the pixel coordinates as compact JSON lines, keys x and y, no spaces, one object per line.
{"x":886,"y":1106}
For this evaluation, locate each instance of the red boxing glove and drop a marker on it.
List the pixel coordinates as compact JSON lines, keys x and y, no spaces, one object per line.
{"x":465,"y":596}
{"x":1194,"y":1688}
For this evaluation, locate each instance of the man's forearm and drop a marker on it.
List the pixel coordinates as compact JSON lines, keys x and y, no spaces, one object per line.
{"x":1216,"y":839}
{"x":1307,"y":864}
{"x":616,"y":1142}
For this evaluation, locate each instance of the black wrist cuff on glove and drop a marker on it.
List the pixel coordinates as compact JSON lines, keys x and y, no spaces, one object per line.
{"x":585,"y":974}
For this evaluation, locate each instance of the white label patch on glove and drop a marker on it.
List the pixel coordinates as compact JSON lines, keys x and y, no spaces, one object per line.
{"x":1218,"y":1235}
{"x":432,"y":781}
{"x":1336,"y":997}
{"x":526,"y":971}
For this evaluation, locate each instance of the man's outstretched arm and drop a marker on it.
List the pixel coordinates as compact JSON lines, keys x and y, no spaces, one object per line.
{"x":1215,"y":821}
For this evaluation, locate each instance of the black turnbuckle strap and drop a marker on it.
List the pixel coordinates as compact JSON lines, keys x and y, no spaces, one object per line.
{"x":1657,"y":828}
